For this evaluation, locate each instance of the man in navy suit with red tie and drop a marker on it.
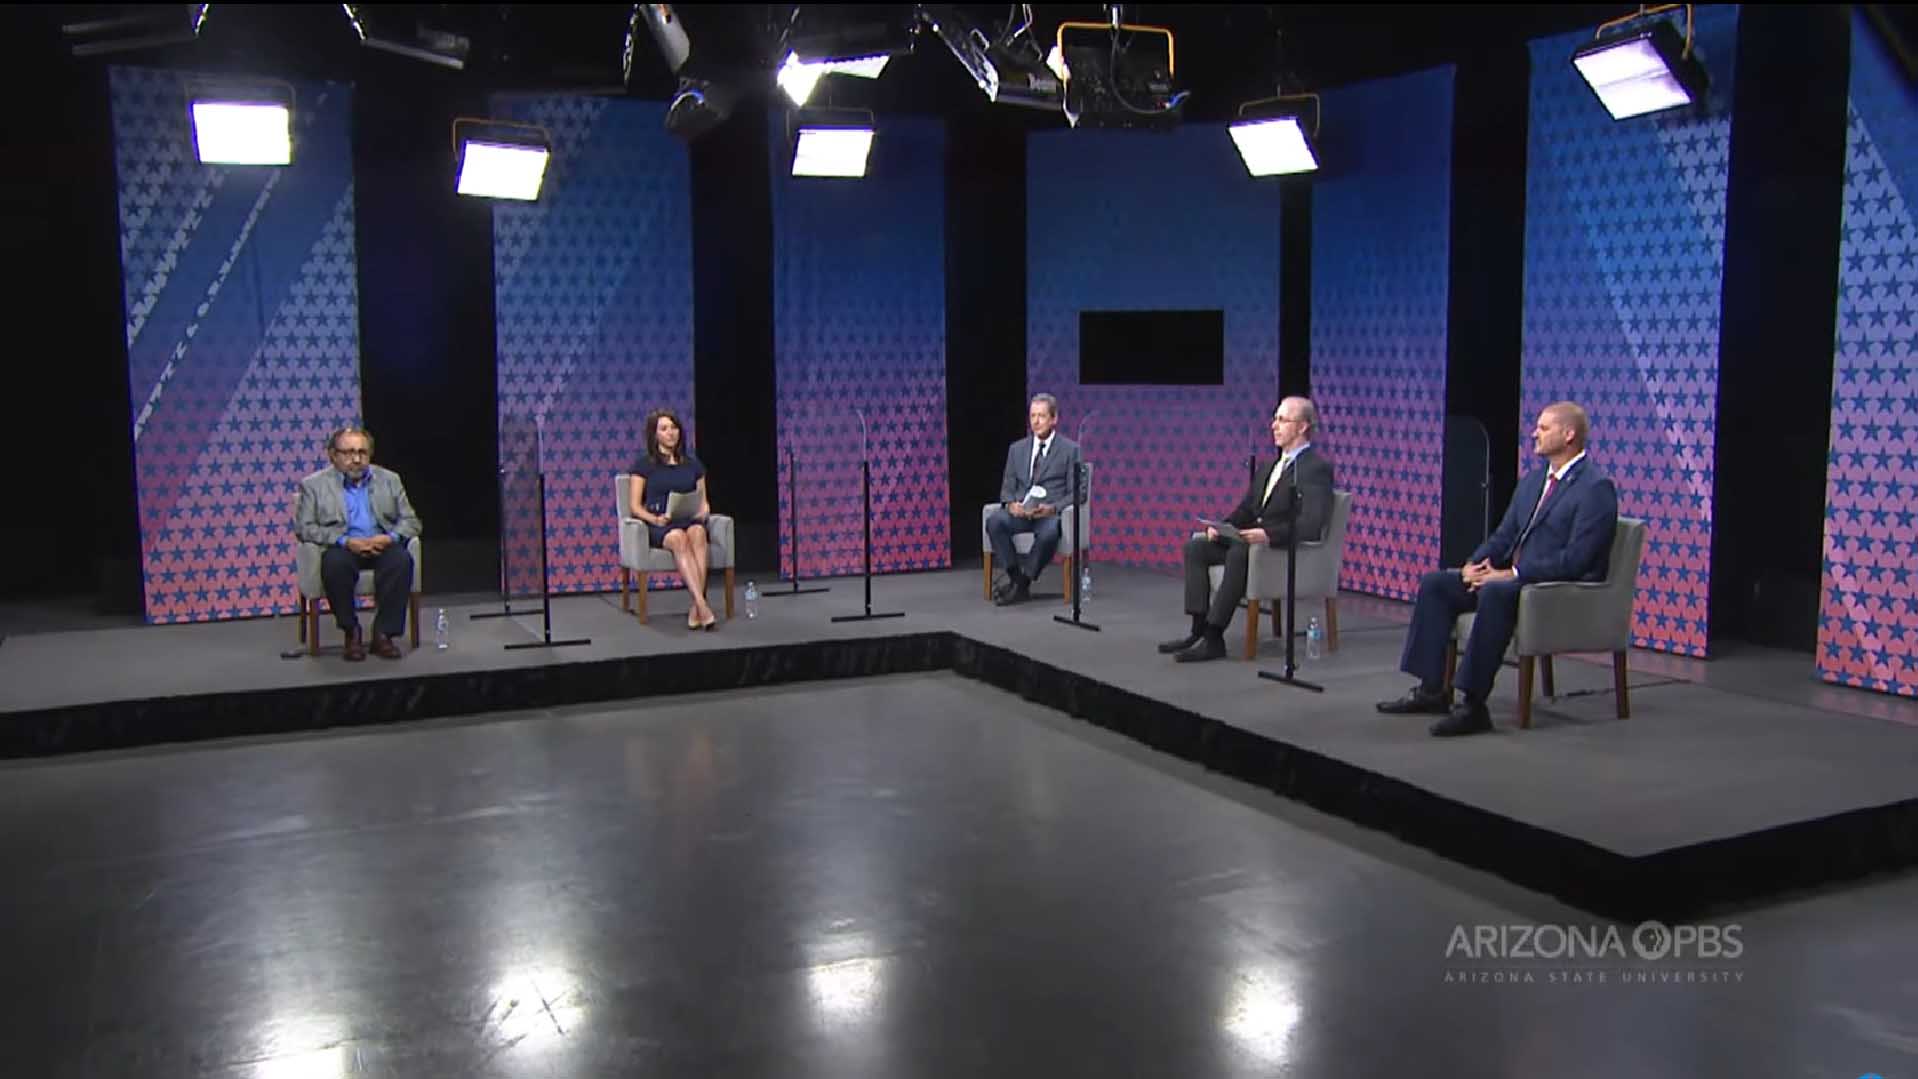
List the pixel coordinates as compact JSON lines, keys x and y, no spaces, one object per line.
{"x":1558,"y":528}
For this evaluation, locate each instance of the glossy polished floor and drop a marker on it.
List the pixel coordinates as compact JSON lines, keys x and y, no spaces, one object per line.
{"x":913,"y":876}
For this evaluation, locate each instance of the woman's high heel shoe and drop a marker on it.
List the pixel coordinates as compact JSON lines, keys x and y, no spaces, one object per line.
{"x":711,"y":623}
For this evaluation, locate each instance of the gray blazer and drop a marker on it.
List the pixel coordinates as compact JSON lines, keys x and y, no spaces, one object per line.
{"x":320,"y":514}
{"x":1055,"y":477}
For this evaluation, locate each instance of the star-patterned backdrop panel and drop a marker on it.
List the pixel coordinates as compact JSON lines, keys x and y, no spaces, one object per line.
{"x":1624,"y":263}
{"x":1132,"y":221}
{"x":859,"y":322}
{"x":1379,"y":291}
{"x":242,"y":325}
{"x":1868,"y":626}
{"x":594,"y":294}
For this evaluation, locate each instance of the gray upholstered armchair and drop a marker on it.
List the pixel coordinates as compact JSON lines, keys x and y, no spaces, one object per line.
{"x":312,"y":592}
{"x":637,"y":555}
{"x":1572,"y":616}
{"x":1022,"y":541}
{"x":1318,"y":578}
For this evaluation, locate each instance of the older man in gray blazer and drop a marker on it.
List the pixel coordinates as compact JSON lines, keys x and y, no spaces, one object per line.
{"x":359,"y":513}
{"x":1045,"y":458}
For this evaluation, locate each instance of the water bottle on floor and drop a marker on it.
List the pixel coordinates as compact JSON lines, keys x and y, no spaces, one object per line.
{"x":1314,"y":638}
{"x":440,"y":631}
{"x":752,"y":600}
{"x":1085,"y":584}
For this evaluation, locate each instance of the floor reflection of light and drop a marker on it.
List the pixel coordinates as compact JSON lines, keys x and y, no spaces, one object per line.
{"x":1261,"y":1014}
{"x":844,"y":992}
{"x":535,"y":1008}
{"x":318,"y":1064}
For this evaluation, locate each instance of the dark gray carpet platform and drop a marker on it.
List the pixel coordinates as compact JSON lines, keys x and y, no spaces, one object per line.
{"x":1730,"y":783}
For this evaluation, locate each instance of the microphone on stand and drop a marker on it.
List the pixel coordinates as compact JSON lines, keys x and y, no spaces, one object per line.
{"x":792,"y":504}
{"x":865,"y":486}
{"x":1080,"y":477}
{"x":1290,"y":675}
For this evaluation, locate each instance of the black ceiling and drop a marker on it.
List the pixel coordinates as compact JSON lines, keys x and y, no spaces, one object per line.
{"x":1227,"y":53}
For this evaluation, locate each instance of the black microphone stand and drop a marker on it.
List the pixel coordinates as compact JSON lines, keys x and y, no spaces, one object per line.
{"x":545,"y":589}
{"x":792,"y":499}
{"x":1078,"y":550}
{"x":865,"y":472}
{"x":1290,"y":677}
{"x":505,"y":563}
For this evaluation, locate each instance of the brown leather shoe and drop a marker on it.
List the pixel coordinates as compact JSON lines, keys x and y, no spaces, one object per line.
{"x":384,"y":647}
{"x":355,"y":650}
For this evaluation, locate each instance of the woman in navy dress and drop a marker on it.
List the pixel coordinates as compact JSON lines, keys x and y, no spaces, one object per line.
{"x":667,"y":469}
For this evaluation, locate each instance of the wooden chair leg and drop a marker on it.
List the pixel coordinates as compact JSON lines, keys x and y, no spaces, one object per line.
{"x":1525,"y":666}
{"x":1451,"y":663}
{"x":413,"y":611}
{"x":645,"y":580}
{"x":312,"y":627}
{"x":988,"y":576}
{"x":625,"y":589}
{"x":1252,"y":628}
{"x":1331,"y":623}
{"x":1072,"y":579}
{"x":1545,"y":669}
{"x":729,"y":593}
{"x":1619,"y":687}
{"x":299,"y":611}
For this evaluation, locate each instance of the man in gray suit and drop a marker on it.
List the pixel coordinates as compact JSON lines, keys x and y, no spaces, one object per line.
{"x":360,"y":515}
{"x":1044,"y":459}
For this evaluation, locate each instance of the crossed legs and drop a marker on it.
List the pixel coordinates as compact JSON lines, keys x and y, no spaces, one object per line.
{"x":688,"y":548}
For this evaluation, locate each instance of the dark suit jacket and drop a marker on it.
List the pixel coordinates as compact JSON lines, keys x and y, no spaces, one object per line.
{"x":1311,"y":474}
{"x":1055,"y":476}
{"x":1572,"y":538}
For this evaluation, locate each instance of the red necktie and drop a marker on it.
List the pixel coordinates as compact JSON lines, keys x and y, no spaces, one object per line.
{"x":1551,"y":484}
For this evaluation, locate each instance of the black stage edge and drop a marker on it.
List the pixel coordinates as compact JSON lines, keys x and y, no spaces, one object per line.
{"x":1672,"y":885}
{"x":131,"y":724}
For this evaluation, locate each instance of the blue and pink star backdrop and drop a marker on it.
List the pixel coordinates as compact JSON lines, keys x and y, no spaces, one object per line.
{"x":859,"y":322}
{"x":594,"y":294}
{"x":1624,"y":267}
{"x":1126,"y":220}
{"x":242,"y":324}
{"x":1868,"y":624}
{"x":1381,"y":251}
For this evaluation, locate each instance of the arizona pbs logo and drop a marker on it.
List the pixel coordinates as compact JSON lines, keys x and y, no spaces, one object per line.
{"x":1648,"y":941}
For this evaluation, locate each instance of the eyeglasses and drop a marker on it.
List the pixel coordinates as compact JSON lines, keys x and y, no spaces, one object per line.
{"x":1286,"y":419}
{"x":353,"y":453}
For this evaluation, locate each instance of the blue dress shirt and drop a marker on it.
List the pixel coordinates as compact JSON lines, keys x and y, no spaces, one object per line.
{"x":360,"y":522}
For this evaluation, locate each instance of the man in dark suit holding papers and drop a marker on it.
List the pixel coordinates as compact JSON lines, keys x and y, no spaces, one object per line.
{"x":1290,"y":495}
{"x":1559,"y":527}
{"x":1036,"y":486}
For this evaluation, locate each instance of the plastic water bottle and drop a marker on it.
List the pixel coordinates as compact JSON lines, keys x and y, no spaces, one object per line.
{"x":752,"y":600}
{"x":1085,"y":584}
{"x":440,"y":627}
{"x":1314,"y":638}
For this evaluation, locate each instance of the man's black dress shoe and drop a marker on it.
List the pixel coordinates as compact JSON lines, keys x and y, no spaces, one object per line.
{"x":1167,"y":648}
{"x":1418,"y":703}
{"x":1470,"y":717}
{"x":1208,"y":648}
